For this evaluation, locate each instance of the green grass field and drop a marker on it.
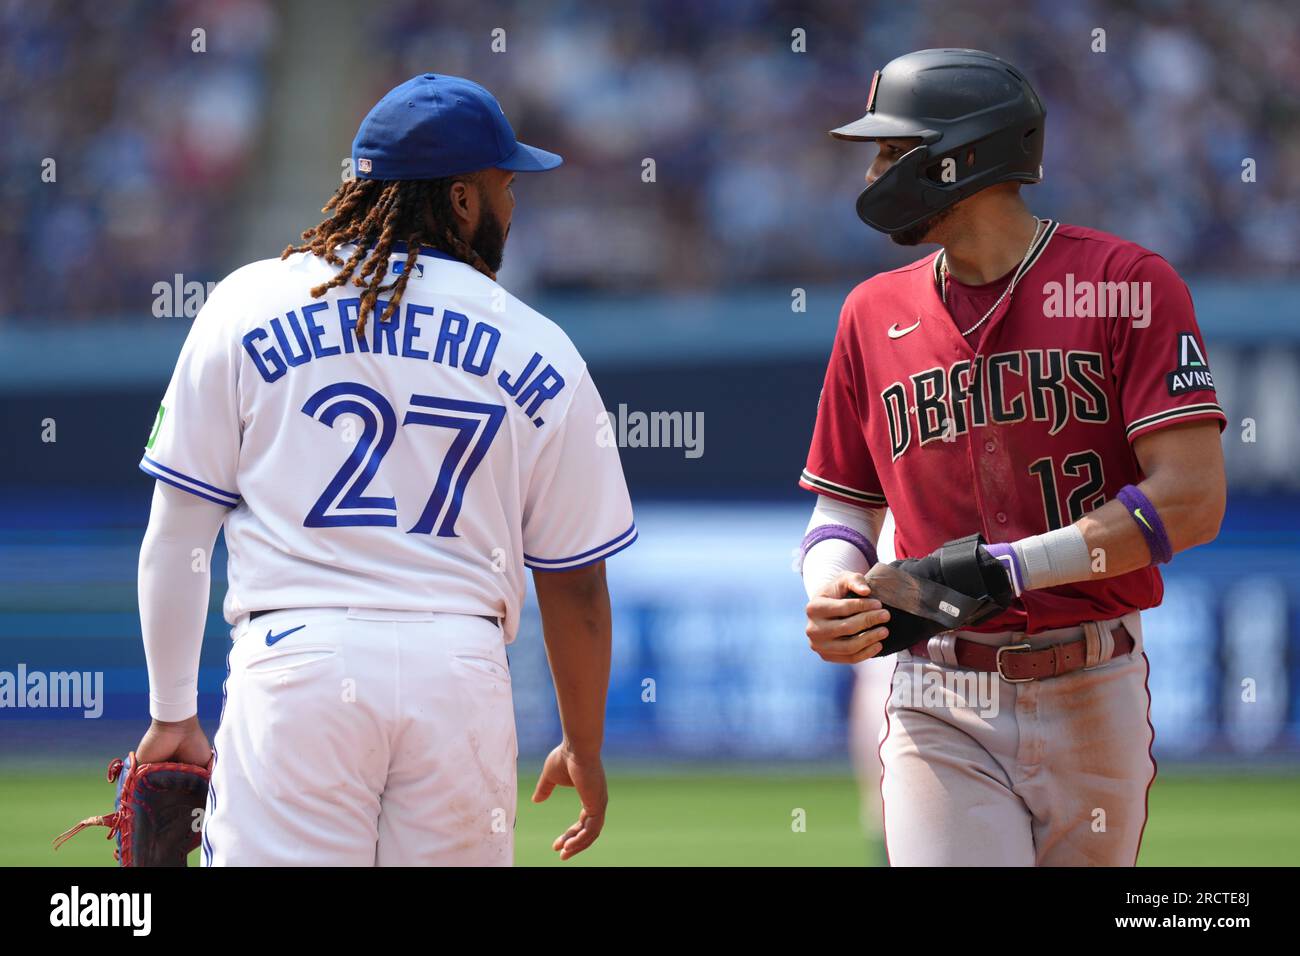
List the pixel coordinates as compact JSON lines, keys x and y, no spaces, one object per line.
{"x":701,"y":818}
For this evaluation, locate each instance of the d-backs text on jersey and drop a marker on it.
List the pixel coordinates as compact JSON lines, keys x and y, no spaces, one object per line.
{"x":1047,"y":385}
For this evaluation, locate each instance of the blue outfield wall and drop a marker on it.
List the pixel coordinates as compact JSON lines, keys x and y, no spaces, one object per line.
{"x":710,"y":659}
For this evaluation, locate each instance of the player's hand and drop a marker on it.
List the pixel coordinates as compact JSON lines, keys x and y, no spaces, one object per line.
{"x":564,"y":768}
{"x":182,"y":741}
{"x":843,"y":627}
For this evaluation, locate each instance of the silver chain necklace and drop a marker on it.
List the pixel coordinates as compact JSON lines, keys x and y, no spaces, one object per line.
{"x":943,"y":278}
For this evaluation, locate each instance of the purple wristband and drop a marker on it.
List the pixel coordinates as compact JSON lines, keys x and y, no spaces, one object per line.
{"x":1007,"y":555}
{"x":843,"y":532}
{"x":1148,"y":520}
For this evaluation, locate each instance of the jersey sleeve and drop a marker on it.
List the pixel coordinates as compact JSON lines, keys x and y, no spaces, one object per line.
{"x":577,"y":510}
{"x":839,"y":462}
{"x":194,"y":444}
{"x":1162,"y":374}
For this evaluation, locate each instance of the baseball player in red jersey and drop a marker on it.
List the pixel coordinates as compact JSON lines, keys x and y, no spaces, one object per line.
{"x":1034,"y":405}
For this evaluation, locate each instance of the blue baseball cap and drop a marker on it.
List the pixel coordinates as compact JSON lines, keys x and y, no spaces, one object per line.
{"x":434,"y":126}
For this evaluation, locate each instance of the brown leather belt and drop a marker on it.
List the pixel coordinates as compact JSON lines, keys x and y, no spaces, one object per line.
{"x":1020,"y":663}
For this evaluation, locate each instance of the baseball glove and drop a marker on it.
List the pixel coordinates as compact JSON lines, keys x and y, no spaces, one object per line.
{"x":959,"y":584}
{"x":158,"y":814}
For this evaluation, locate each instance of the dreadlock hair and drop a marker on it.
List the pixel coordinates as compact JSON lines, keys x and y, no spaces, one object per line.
{"x":373,"y":214}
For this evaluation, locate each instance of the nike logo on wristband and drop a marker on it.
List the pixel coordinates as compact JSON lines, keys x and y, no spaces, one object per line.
{"x":272,"y":638}
{"x":1137,"y":513}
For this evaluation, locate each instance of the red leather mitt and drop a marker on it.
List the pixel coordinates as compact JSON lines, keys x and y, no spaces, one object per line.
{"x":158,"y":816}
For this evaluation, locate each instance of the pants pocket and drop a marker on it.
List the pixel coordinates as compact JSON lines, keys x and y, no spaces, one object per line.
{"x":289,"y":659}
{"x":482,"y":667}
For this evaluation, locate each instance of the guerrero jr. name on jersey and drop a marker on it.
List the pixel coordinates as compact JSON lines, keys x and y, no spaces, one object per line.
{"x":409,"y":334}
{"x":1046,"y":385}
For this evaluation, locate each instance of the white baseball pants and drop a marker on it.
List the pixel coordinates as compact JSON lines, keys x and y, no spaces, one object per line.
{"x":360,"y":737}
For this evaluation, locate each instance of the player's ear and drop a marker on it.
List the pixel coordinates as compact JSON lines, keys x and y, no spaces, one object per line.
{"x":465,"y":202}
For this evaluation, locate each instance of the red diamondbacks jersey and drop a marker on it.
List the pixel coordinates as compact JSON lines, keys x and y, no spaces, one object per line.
{"x":1024,"y":431}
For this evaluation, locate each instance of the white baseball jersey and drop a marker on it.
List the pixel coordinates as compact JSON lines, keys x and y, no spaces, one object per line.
{"x":421,"y":468}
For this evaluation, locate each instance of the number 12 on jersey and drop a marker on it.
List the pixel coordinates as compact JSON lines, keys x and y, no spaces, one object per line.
{"x":344,"y":503}
{"x":1084,"y":498}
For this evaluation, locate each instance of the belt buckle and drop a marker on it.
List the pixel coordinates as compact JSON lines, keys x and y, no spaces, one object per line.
{"x":998,"y":663}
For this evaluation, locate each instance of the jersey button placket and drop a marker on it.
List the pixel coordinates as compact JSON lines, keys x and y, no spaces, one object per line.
{"x":990,"y":446}
{"x":993,"y":480}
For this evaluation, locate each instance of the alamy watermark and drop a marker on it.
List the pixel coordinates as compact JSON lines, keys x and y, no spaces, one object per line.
{"x":919,"y":687}
{"x":53,"y":690}
{"x":74,"y":908}
{"x":637,"y":429}
{"x":1084,"y":299}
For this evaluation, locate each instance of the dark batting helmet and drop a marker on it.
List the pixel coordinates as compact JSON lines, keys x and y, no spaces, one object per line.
{"x":979,"y":121}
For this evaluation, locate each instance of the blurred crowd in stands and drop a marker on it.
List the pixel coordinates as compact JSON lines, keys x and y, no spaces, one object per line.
{"x":1146,"y":139}
{"x":149,"y":141}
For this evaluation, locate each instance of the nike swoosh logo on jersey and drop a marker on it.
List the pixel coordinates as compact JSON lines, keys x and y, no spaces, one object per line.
{"x":272,"y":638}
{"x":896,"y":333}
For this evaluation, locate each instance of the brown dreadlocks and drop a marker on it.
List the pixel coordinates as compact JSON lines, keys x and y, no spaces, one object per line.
{"x":373,"y":214}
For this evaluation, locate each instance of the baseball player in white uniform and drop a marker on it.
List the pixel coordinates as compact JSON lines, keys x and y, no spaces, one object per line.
{"x":389,"y":439}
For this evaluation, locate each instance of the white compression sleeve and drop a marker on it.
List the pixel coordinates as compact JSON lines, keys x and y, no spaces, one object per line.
{"x":175,"y":561}
{"x":829,"y":558}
